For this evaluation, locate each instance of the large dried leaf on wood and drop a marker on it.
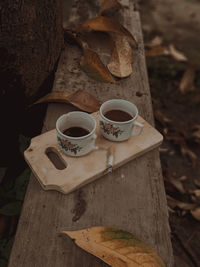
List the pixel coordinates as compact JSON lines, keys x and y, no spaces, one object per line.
{"x":81,"y":99}
{"x":105,"y":24}
{"x":94,"y":67}
{"x":91,"y":62}
{"x":109,"y":4}
{"x":116,"y":247}
{"x":120,"y":64}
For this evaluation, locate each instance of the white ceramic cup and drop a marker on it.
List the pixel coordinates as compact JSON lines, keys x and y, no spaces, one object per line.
{"x":119,"y":131}
{"x":76,"y":146}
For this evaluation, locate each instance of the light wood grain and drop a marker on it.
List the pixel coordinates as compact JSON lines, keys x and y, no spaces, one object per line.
{"x":131,"y":198}
{"x":82,"y":170}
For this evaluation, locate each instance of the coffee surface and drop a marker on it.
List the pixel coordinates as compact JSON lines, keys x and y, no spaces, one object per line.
{"x":76,"y":132}
{"x":118,"y":115}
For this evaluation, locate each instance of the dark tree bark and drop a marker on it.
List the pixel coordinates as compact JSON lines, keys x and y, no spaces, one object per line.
{"x":31,"y":39}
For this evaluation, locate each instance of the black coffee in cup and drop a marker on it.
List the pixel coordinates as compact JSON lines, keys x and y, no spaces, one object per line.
{"x":118,"y":115}
{"x":75,"y":132}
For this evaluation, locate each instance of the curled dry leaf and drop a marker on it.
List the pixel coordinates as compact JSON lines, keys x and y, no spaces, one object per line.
{"x":81,"y":99}
{"x":115,"y":247}
{"x":158,"y":50}
{"x":196,"y":213}
{"x":91,"y":62}
{"x":187,"y":81}
{"x":171,"y":210}
{"x":196,"y":133}
{"x":178,"y":185}
{"x":161,"y":117}
{"x":156,"y":41}
{"x":109,"y":4}
{"x":177,"y":55}
{"x":105,"y":24}
{"x":120,"y":64}
{"x":93,"y":66}
{"x":197,"y":183}
{"x":173,"y":203}
{"x":183,"y":178}
{"x":186,"y":152}
{"x":196,"y":192}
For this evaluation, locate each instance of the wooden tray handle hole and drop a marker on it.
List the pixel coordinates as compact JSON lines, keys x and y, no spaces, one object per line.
{"x":56,"y":159}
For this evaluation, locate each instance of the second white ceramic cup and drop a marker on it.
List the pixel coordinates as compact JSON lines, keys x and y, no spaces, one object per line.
{"x":115,"y":130}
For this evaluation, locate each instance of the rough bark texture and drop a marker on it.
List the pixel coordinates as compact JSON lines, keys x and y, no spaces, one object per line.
{"x":30,"y":43}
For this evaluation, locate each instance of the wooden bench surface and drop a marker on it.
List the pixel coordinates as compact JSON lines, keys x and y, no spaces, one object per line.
{"x":132,"y":197}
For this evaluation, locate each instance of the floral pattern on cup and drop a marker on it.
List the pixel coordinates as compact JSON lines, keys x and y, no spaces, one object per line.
{"x":108,"y":128}
{"x":68,"y":146}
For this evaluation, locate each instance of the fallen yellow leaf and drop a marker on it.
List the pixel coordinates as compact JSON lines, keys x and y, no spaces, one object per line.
{"x":116,"y":247}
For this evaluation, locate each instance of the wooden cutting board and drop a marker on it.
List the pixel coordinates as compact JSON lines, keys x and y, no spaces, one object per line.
{"x":79,"y":171}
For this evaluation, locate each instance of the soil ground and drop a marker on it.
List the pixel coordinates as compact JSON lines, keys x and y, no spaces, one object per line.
{"x":176,"y":22}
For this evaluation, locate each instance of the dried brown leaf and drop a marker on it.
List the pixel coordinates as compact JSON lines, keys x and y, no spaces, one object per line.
{"x":197,"y":183}
{"x":187,"y":81}
{"x":196,"y":192}
{"x":156,"y":41}
{"x":196,"y":133}
{"x":161,"y":117}
{"x":171,"y":210}
{"x":120,"y":64}
{"x":178,"y":185}
{"x":109,"y":4}
{"x":186,"y":152}
{"x":81,"y":99}
{"x":177,"y":55}
{"x":94,"y":67}
{"x":183,"y":178}
{"x":183,"y":213}
{"x":158,"y":50}
{"x":105,"y":24}
{"x":173,"y":203}
{"x":196,"y":213}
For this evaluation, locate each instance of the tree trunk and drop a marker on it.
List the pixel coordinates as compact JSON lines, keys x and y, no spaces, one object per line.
{"x":30,"y":43}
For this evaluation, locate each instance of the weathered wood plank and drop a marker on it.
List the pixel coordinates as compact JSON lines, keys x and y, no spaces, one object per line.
{"x":132,"y":197}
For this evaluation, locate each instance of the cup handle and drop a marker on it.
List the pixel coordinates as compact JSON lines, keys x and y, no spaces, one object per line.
{"x":94,"y":147}
{"x":140,"y":125}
